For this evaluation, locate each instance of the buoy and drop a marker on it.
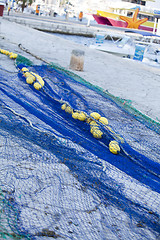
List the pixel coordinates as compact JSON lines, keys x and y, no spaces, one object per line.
{"x":103,"y":120}
{"x":63,"y":107}
{"x":37,"y":86}
{"x":93,"y":123}
{"x":13,"y":55}
{"x":82,"y":116}
{"x":68,"y":109}
{"x":24,"y":69}
{"x":7,"y":52}
{"x":40,"y":80}
{"x":97,"y":134}
{"x":3,"y":51}
{"x":93,"y":128}
{"x":30,"y":79}
{"x":27,"y":74}
{"x":95,"y":115}
{"x":75,"y":115}
{"x":114,"y":147}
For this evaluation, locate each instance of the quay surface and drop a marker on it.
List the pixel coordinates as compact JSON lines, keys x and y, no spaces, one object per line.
{"x":60,"y":25}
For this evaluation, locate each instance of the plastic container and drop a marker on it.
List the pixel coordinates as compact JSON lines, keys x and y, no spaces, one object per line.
{"x":77,"y":60}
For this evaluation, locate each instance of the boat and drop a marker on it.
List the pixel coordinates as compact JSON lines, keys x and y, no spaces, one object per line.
{"x":129,"y":46}
{"x":117,"y":19}
{"x":123,"y":47}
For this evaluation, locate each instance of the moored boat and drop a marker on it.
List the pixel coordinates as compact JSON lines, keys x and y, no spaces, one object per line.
{"x":114,"y":19}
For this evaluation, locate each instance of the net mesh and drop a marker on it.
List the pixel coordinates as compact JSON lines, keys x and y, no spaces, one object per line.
{"x":57,"y":180}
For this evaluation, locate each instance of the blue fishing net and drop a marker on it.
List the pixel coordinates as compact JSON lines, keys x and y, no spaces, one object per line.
{"x":57,"y":180}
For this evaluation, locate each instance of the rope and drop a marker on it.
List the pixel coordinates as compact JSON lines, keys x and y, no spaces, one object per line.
{"x":5,"y":70}
{"x":27,"y":51}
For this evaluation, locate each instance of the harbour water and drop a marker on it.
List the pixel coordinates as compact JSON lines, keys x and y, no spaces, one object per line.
{"x":85,"y":41}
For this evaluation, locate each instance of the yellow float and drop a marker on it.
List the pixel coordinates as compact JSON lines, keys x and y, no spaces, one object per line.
{"x":95,"y":115}
{"x":75,"y":115}
{"x":24,"y":69}
{"x":30,"y":79}
{"x":97,"y":134}
{"x":114,"y":147}
{"x":40,"y":80}
{"x":81,"y":116}
{"x":37,"y":86}
{"x":93,"y":128}
{"x":103,"y":120}
{"x":63,"y":107}
{"x":68,"y":109}
{"x":28,"y":74}
{"x":93,"y":123}
{"x":13,"y":55}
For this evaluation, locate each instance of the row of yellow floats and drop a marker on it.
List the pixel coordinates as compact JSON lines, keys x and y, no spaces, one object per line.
{"x":94,"y":126}
{"x":38,"y":83}
{"x":8,"y":53}
{"x":33,"y":78}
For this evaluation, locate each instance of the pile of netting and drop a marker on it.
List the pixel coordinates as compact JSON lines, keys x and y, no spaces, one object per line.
{"x":59,"y":176}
